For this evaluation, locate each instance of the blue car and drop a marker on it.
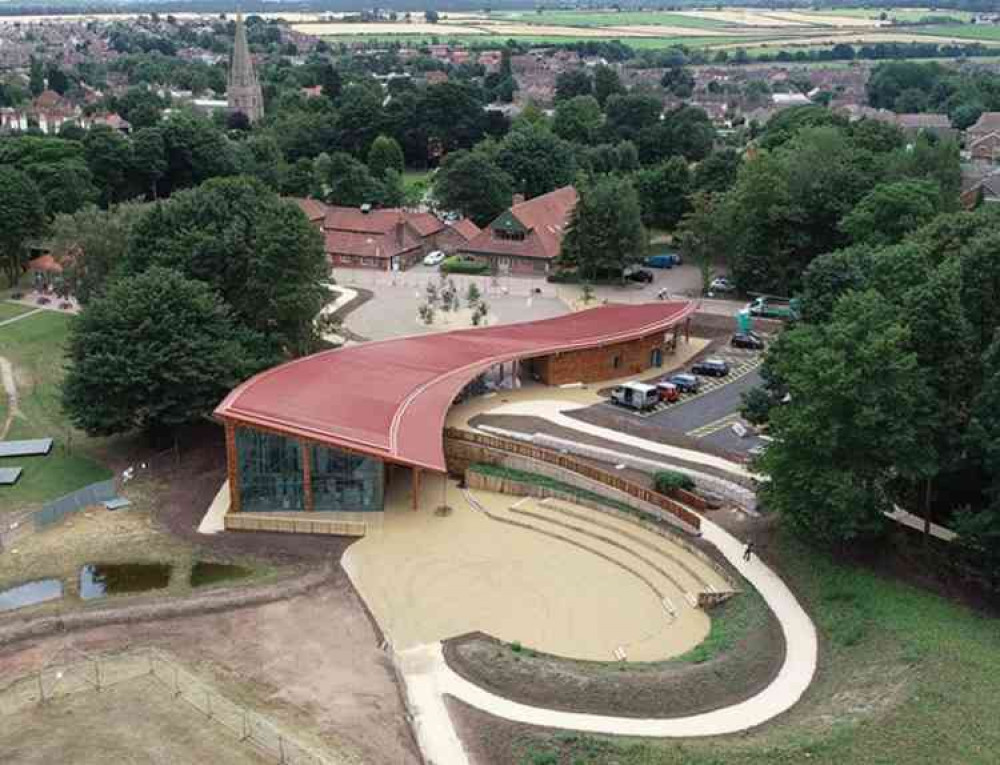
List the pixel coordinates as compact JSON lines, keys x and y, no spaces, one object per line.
{"x":664,"y":260}
{"x":686,"y":383}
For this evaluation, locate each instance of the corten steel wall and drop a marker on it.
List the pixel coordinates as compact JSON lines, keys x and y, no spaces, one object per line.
{"x":463,"y":448}
{"x":597,"y":364}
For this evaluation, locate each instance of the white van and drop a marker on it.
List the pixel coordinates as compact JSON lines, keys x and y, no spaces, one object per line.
{"x":638,"y":396}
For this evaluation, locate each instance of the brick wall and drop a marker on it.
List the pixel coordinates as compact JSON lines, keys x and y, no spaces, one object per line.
{"x":606,"y":363}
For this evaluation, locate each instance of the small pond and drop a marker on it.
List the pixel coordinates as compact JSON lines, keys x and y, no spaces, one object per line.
{"x":205,"y":572}
{"x":100,"y":579}
{"x":30,"y":593}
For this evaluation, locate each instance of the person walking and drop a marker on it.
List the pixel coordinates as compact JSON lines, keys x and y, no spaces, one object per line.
{"x":748,"y":551}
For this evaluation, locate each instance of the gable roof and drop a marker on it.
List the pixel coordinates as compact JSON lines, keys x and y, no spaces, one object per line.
{"x":466,"y":229}
{"x":988,"y":122}
{"x":923,"y":120}
{"x":543,"y":220}
{"x":314,"y":209}
{"x":425,"y":223}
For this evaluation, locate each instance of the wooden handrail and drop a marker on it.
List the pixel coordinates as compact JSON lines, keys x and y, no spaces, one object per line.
{"x":578,"y":466}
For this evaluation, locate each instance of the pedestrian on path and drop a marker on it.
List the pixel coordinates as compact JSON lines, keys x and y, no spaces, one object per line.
{"x":748,"y":551}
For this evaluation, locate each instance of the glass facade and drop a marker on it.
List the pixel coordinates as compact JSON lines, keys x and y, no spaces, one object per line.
{"x":346,"y":481}
{"x":271,"y":476}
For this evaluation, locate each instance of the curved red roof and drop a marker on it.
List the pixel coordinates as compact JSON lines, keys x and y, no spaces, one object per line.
{"x":390,"y":398}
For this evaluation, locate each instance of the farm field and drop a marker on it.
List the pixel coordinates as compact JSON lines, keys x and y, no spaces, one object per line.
{"x":714,"y":29}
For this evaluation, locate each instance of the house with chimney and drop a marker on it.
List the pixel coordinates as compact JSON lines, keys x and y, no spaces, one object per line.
{"x":386,"y":239}
{"x":527,"y":238}
{"x":982,"y":140}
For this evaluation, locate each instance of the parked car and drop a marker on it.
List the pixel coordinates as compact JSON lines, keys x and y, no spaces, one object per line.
{"x":767,"y":307}
{"x":712,"y":367}
{"x":435,"y":258}
{"x":640,"y":275}
{"x":685,"y":383}
{"x":721,"y":285}
{"x":663,"y":260}
{"x":636,"y":396}
{"x":747,"y":340}
{"x":668,"y":391}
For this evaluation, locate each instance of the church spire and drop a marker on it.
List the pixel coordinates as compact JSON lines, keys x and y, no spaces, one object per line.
{"x":244,"y":88}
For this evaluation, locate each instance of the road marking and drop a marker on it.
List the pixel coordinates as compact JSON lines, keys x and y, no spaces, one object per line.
{"x":715,"y":426}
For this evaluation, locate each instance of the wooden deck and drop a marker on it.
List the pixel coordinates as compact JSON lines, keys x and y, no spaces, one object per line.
{"x":333,"y":524}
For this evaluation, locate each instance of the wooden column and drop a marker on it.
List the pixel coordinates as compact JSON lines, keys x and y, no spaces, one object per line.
{"x":307,"y":489}
{"x":232,"y":468}
{"x":415,"y":488}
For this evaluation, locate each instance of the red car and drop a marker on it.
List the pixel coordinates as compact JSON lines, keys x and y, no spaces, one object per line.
{"x":668,"y":391}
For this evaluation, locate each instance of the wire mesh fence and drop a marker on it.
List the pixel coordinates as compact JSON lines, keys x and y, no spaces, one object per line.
{"x":96,"y":673}
{"x":88,"y":496}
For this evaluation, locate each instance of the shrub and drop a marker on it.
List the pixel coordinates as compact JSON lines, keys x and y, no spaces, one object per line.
{"x":668,"y":480}
{"x":456,"y":265}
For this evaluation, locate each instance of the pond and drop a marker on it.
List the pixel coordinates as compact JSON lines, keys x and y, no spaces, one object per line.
{"x":100,"y":579}
{"x":30,"y":593}
{"x":205,"y":572}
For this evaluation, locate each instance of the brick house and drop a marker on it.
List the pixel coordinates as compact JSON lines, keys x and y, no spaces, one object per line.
{"x":979,"y":188}
{"x":527,"y":238}
{"x":389,"y":239}
{"x":915,"y":124}
{"x":982,"y":140}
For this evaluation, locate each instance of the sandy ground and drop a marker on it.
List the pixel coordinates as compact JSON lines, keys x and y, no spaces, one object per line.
{"x":428,"y":577}
{"x":125,"y":724}
{"x":820,"y":18}
{"x":312,"y":664}
{"x":745,"y":18}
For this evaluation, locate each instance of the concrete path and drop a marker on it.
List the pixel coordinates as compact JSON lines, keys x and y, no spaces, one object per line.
{"x":429,"y":679}
{"x":20,"y":316}
{"x":553,"y":412}
{"x":10,"y":389}
{"x":214,"y":520}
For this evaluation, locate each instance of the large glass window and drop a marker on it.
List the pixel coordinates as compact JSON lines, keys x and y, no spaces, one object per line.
{"x":345,"y":481}
{"x":270,"y":472}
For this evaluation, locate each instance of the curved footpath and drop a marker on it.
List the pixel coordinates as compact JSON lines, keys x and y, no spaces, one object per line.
{"x":429,"y":679}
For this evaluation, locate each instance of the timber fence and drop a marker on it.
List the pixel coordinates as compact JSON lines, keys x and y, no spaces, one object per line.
{"x":94,"y":673}
{"x":566,"y":462}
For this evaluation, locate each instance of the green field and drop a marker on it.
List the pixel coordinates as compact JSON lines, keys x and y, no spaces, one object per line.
{"x":900,"y":14}
{"x":905,"y":678}
{"x":34,"y":346}
{"x":610,"y":19}
{"x":10,"y":310}
{"x":492,"y":41}
{"x":972,"y":32}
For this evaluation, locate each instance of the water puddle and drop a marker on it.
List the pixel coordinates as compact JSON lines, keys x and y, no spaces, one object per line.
{"x":205,"y":572}
{"x":30,"y":593}
{"x":100,"y":579}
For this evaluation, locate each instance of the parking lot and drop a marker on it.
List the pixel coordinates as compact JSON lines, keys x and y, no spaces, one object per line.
{"x":709,"y":415}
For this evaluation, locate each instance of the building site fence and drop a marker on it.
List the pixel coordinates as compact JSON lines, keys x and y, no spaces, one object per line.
{"x":88,"y":496}
{"x":96,"y":673}
{"x":580,"y":467}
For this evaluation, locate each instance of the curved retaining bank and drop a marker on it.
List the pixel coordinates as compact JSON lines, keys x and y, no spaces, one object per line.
{"x":201,"y":603}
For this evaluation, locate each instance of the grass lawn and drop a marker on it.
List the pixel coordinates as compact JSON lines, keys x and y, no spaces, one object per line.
{"x":899,"y":14}
{"x":905,"y":677}
{"x":34,"y":346}
{"x":412,"y":178}
{"x":10,"y":310}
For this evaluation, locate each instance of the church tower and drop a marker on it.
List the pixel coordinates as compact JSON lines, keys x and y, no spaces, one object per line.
{"x":244,"y":88}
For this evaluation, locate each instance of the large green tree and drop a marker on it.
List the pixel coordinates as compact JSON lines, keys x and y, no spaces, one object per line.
{"x":258,"y":251}
{"x":470,"y":182}
{"x":890,"y":211}
{"x":385,"y":154}
{"x":537,"y":160}
{"x":22,"y":217}
{"x":156,"y":351}
{"x":663,"y":192}
{"x":853,"y":421}
{"x":605,"y":228}
{"x":578,"y":119}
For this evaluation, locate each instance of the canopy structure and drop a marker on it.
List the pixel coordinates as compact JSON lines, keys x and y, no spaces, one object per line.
{"x":389,"y":399}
